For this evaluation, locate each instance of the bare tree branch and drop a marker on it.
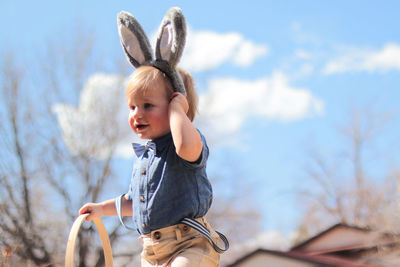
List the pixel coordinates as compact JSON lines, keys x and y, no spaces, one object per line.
{"x":346,"y":192}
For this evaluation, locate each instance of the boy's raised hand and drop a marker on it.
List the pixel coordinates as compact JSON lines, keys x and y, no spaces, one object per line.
{"x":179,"y":100}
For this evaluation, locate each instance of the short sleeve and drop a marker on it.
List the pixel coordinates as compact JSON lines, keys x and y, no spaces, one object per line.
{"x":130,"y":192}
{"x":202,"y":160}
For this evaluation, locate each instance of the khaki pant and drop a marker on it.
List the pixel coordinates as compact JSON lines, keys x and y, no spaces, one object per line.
{"x":179,"y":246}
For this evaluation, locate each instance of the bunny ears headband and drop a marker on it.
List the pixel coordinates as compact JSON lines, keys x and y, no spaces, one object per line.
{"x":169,"y":47}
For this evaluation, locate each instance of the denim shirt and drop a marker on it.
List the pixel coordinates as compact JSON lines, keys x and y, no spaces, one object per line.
{"x":165,"y":188}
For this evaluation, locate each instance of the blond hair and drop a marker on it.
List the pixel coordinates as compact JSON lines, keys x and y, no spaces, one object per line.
{"x":146,"y":77}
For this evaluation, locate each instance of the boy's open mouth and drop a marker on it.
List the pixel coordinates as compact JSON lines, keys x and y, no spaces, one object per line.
{"x":141,"y":126}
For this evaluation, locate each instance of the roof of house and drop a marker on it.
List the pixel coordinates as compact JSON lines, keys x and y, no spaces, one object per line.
{"x":340,"y":226}
{"x":339,"y":245}
{"x":342,"y":237}
{"x":297,"y":256}
{"x":274,"y":253}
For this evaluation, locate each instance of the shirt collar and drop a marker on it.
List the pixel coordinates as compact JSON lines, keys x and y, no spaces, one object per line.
{"x":162,"y":142}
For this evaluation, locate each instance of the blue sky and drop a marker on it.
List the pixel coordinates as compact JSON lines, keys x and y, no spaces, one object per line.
{"x":284,"y":75}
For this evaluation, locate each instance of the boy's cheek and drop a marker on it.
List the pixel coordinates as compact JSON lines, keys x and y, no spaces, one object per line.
{"x":130,"y":121}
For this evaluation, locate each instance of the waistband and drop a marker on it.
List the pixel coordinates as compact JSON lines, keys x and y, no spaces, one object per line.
{"x":173,"y":231}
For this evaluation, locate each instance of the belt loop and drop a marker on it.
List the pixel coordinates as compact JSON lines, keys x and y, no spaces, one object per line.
{"x":178,"y":234}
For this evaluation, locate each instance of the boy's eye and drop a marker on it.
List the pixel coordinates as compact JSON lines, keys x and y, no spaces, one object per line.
{"x":148,"y":105}
{"x":132,"y":107}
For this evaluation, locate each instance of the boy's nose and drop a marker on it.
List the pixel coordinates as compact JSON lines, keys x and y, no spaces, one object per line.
{"x":137,"y":113}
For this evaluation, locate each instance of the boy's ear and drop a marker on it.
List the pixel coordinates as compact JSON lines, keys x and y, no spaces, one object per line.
{"x":133,"y":39}
{"x":171,"y":37}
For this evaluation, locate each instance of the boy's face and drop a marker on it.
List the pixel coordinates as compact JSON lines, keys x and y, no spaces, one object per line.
{"x":148,"y":116}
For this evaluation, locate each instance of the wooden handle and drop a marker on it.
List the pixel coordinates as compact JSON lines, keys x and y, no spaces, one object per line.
{"x":70,"y":252}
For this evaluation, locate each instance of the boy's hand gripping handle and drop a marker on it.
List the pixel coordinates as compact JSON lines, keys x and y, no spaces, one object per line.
{"x":70,"y":251}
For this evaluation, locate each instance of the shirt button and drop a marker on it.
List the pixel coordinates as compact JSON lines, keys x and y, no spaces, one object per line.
{"x":141,"y":198}
{"x":185,"y":228}
{"x":157,"y":235}
{"x":143,"y":171}
{"x":144,"y":225}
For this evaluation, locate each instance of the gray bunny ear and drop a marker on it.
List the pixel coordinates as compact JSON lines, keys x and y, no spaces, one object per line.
{"x":171,"y":37}
{"x":134,"y":41}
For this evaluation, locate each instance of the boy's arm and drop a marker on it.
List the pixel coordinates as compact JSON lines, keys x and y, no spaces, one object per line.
{"x":186,"y":138}
{"x":106,"y":208}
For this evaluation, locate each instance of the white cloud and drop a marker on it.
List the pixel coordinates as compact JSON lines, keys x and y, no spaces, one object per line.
{"x":388,"y":58}
{"x":248,"y":52}
{"x":207,"y":50}
{"x":302,"y":54}
{"x":229,"y":102}
{"x":100,"y":122}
